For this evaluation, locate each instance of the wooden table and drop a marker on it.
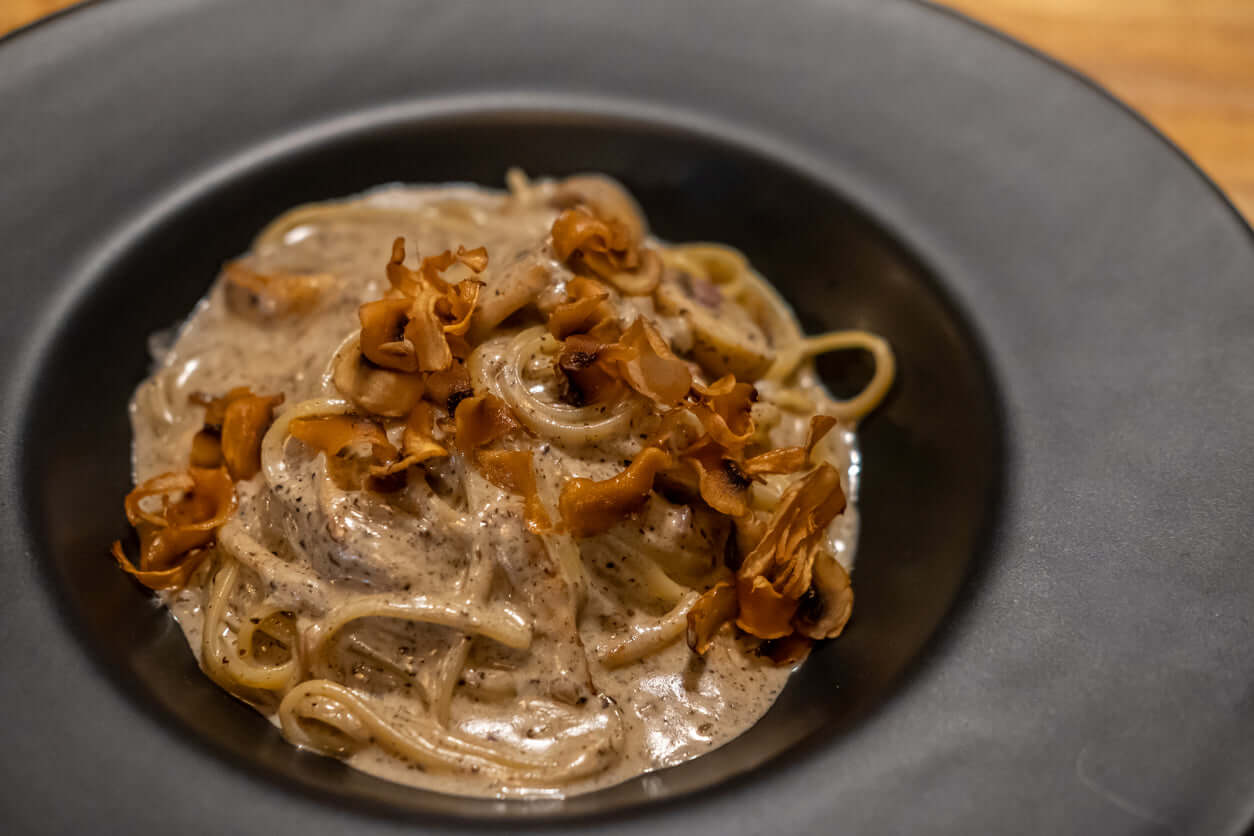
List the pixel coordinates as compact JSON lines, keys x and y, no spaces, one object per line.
{"x":1188,"y":65}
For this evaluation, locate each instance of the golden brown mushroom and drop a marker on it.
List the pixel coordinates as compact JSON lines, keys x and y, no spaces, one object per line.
{"x":790,"y":459}
{"x":725,"y":339}
{"x":511,"y":470}
{"x":265,"y":297}
{"x":778,"y":572}
{"x":642,"y":359}
{"x":586,"y":311}
{"x":724,"y":410}
{"x":172,"y":538}
{"x":518,"y":286}
{"x":233,"y":428}
{"x":606,"y":198}
{"x":481,"y":420}
{"x":351,"y":445}
{"x":589,"y":507}
{"x":716,"y":606}
{"x":375,"y":389}
{"x":825,"y":608}
{"x":418,"y":443}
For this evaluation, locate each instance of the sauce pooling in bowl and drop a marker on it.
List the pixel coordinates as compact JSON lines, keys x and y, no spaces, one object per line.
{"x":494,"y":493}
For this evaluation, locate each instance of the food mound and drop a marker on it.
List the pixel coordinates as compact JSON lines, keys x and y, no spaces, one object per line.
{"x":493,"y":492}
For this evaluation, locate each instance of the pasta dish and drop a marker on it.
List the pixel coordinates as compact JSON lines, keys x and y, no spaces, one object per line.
{"x":493,"y":492}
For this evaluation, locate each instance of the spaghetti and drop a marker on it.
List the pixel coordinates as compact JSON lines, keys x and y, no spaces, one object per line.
{"x":494,"y":493}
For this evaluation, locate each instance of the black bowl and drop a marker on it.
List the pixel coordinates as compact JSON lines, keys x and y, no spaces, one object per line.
{"x":1052,"y":587}
{"x":931,"y":454}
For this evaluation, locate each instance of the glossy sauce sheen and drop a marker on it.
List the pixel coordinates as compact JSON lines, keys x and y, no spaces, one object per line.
{"x":673,"y":706}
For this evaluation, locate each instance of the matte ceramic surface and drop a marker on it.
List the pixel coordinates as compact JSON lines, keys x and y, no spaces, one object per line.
{"x":1052,"y":624}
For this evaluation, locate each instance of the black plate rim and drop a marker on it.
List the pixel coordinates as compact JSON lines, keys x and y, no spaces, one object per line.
{"x":624,"y":111}
{"x":987,"y":28}
{"x":1213,"y":187}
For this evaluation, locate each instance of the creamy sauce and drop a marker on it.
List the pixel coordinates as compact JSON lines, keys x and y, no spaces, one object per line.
{"x":335,"y":545}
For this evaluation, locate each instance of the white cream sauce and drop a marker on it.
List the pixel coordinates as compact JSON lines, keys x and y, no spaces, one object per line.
{"x":336,"y":544}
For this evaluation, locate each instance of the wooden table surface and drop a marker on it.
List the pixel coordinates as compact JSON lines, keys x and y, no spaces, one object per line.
{"x":1188,"y":65}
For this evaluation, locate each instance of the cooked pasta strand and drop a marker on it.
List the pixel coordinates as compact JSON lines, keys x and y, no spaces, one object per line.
{"x":645,"y":641}
{"x":872,"y":395}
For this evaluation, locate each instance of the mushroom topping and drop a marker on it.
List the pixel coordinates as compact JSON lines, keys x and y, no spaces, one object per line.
{"x":586,"y":311}
{"x":606,"y":249}
{"x":383,"y":338}
{"x":422,"y":330}
{"x":376,"y":389}
{"x":173,"y":535}
{"x":716,"y":607}
{"x":353,"y":446}
{"x":725,"y":339}
{"x":790,"y":459}
{"x":481,"y":420}
{"x":723,"y":408}
{"x":418,"y":443}
{"x":721,"y":480}
{"x":415,"y":337}
{"x":589,"y":507}
{"x":450,"y":387}
{"x":826,"y":606}
{"x":265,"y":297}
{"x":641,"y":359}
{"x":779,"y":571}
{"x":428,"y":276}
{"x":232,"y":432}
{"x":607,"y":199}
{"x":511,"y":470}
{"x":519,"y":284}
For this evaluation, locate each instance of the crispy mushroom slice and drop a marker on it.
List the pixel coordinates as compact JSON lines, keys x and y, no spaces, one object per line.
{"x":826,"y":606}
{"x":418,"y":443}
{"x":172,"y":538}
{"x":593,"y":244}
{"x":425,"y":332}
{"x":352,"y":446}
{"x":721,"y":480}
{"x":606,"y":197}
{"x":589,"y":507}
{"x":375,"y":389}
{"x":579,"y":235}
{"x":206,"y":448}
{"x":725,"y":339}
{"x":428,"y":275}
{"x":640,"y":358}
{"x":779,"y":571}
{"x":265,"y":297}
{"x":587,"y":310}
{"x":424,"y":328}
{"x":643,"y":360}
{"x":790,"y":459}
{"x":724,"y":410}
{"x":435,"y":324}
{"x":247,"y":420}
{"x":511,"y":470}
{"x":233,"y":427}
{"x":450,"y":387}
{"x":481,"y":420}
{"x":588,"y":381}
{"x":519,"y":285}
{"x":383,"y":338}
{"x":716,"y":606}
